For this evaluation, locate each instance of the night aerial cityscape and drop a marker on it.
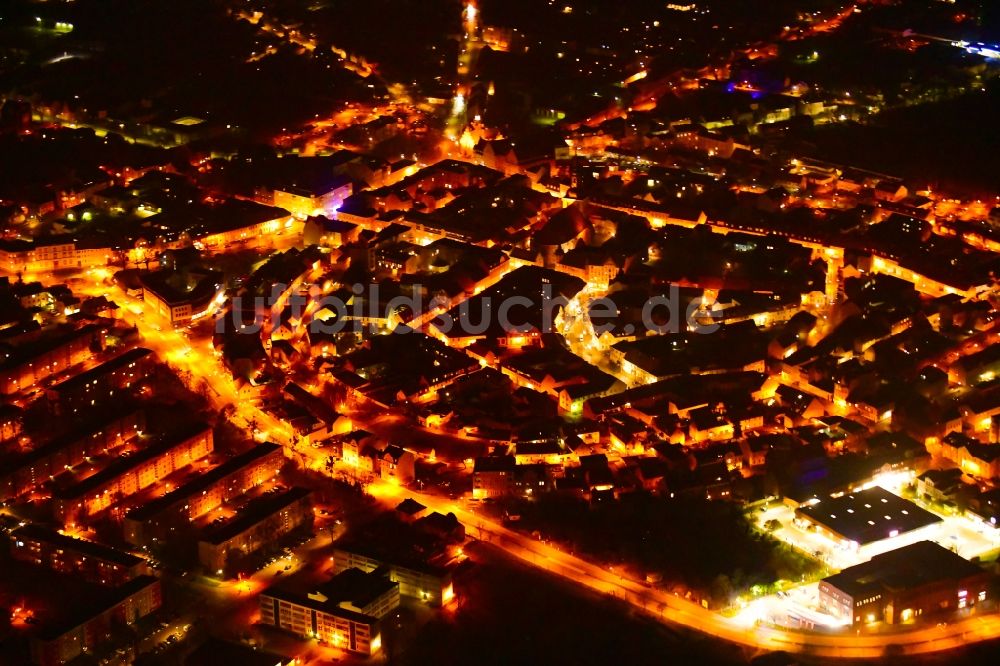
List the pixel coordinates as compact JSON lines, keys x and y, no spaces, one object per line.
{"x":499,"y":332}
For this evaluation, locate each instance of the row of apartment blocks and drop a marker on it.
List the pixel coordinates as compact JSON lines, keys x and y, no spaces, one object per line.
{"x":33,"y":363}
{"x":23,"y":474}
{"x":94,"y":562}
{"x":52,"y":254}
{"x":130,"y":474}
{"x":156,"y":520}
{"x":126,"y":591}
{"x":101,"y":383}
{"x":261,"y":523}
{"x":345,"y":612}
{"x":93,"y":624}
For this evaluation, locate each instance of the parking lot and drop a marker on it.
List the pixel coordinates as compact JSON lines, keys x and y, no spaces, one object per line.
{"x":798,"y":607}
{"x":967,"y":537}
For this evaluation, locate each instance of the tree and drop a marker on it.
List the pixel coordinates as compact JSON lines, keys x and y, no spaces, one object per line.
{"x":721,"y":590}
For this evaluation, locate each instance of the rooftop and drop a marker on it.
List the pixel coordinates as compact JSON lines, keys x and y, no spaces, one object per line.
{"x":231,"y":466}
{"x":176,"y":288}
{"x":125,"y":463}
{"x":114,"y":364}
{"x":85,"y":612}
{"x":910,"y":567}
{"x":357,"y":587}
{"x":410,"y":506}
{"x":81,"y":432}
{"x":868,"y":515}
{"x":92,"y":549}
{"x":350,"y":588}
{"x":254,"y":512}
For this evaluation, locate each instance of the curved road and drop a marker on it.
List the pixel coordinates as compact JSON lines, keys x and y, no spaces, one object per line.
{"x":674,"y":609}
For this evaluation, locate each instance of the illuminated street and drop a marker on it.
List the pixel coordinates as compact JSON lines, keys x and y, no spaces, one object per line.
{"x":298,"y":301}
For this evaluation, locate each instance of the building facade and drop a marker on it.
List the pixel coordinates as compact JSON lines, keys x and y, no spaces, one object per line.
{"x":426,"y":582}
{"x":130,"y":474}
{"x":260,"y":524}
{"x":102,"y":383}
{"x":156,"y":520}
{"x":22,"y":474}
{"x":904,"y":585}
{"x":50,"y":358}
{"x":92,"y":561}
{"x":344,"y":613}
{"x":130,"y":602}
{"x":42,"y":256}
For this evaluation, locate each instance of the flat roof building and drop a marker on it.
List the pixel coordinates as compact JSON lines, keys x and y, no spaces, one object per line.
{"x":101,"y":383}
{"x":156,"y":519}
{"x":92,"y":561}
{"x":424,"y":580}
{"x":261,"y":522}
{"x":344,"y":613}
{"x":903,"y":585}
{"x":866,"y":516}
{"x":128,"y":475}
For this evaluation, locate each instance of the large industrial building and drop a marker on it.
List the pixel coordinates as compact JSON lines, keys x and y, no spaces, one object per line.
{"x":903,"y":585}
{"x":865,"y":517}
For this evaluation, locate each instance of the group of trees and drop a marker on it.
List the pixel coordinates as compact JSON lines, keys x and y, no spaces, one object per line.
{"x":708,"y":546}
